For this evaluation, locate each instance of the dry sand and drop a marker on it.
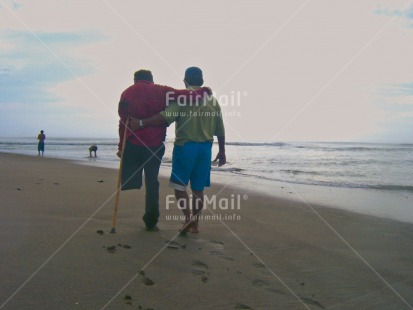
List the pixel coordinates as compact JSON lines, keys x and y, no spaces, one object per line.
{"x":278,"y":255}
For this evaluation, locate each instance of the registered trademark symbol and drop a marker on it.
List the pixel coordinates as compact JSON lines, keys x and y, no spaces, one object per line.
{"x":245,"y":197}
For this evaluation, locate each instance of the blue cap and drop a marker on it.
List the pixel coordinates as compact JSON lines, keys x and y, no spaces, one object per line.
{"x":193,"y":76}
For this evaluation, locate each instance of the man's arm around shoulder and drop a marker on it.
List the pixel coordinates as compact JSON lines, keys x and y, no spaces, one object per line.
{"x":165,"y":118}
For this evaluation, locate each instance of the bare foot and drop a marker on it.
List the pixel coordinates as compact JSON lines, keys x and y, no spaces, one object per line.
{"x":185,"y":228}
{"x":194,"y":228}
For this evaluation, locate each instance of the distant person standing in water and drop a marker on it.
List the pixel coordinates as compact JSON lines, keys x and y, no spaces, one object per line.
{"x":93,"y":148}
{"x":40,"y":146}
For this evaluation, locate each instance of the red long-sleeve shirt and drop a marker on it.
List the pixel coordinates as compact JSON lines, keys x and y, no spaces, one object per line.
{"x":145,"y":99}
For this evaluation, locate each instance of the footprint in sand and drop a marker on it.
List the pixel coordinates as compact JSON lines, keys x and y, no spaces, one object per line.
{"x":199,"y":264}
{"x":274,"y":290}
{"x":128,"y":299}
{"x":216,"y":253}
{"x":199,"y":268}
{"x":258,"y":265}
{"x":220,"y":255}
{"x":174,"y":245}
{"x":217,"y":244}
{"x":147,"y":281}
{"x":242,"y":306}
{"x":198,"y":272}
{"x":259,"y":283}
{"x":111,"y":249}
{"x":311,"y":302}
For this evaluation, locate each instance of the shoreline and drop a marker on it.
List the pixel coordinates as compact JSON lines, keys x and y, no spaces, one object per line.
{"x":373,"y":202}
{"x":54,"y":209}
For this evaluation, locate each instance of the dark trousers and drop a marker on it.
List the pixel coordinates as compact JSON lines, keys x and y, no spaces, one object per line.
{"x":136,"y":160}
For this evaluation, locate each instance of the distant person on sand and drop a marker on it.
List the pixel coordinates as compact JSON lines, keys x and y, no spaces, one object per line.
{"x":195,"y":128}
{"x":40,"y":146}
{"x":93,"y":148}
{"x":145,"y":148}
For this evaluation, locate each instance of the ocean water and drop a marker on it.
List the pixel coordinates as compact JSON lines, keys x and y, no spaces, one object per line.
{"x":346,"y":165}
{"x":373,"y":179}
{"x":387,"y":167}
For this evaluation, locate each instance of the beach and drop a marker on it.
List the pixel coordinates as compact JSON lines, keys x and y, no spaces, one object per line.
{"x":261,"y":252}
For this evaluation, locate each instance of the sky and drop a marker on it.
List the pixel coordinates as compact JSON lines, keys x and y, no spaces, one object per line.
{"x":291,"y":70}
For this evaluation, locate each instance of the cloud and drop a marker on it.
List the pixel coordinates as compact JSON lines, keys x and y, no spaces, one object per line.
{"x":399,"y":90}
{"x":16,"y":6}
{"x":407,"y":14}
{"x":36,"y":62}
{"x":396,"y":103}
{"x":13,"y":4}
{"x":53,"y":38}
{"x":396,"y":98}
{"x":386,"y":12}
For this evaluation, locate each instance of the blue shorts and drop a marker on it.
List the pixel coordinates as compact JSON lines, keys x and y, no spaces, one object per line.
{"x":40,"y":146}
{"x":191,"y":162}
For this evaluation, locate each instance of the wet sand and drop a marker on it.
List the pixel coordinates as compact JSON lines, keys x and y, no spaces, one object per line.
{"x":57,"y":252}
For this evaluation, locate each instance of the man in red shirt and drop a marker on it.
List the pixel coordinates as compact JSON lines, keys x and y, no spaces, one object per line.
{"x":145,"y":148}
